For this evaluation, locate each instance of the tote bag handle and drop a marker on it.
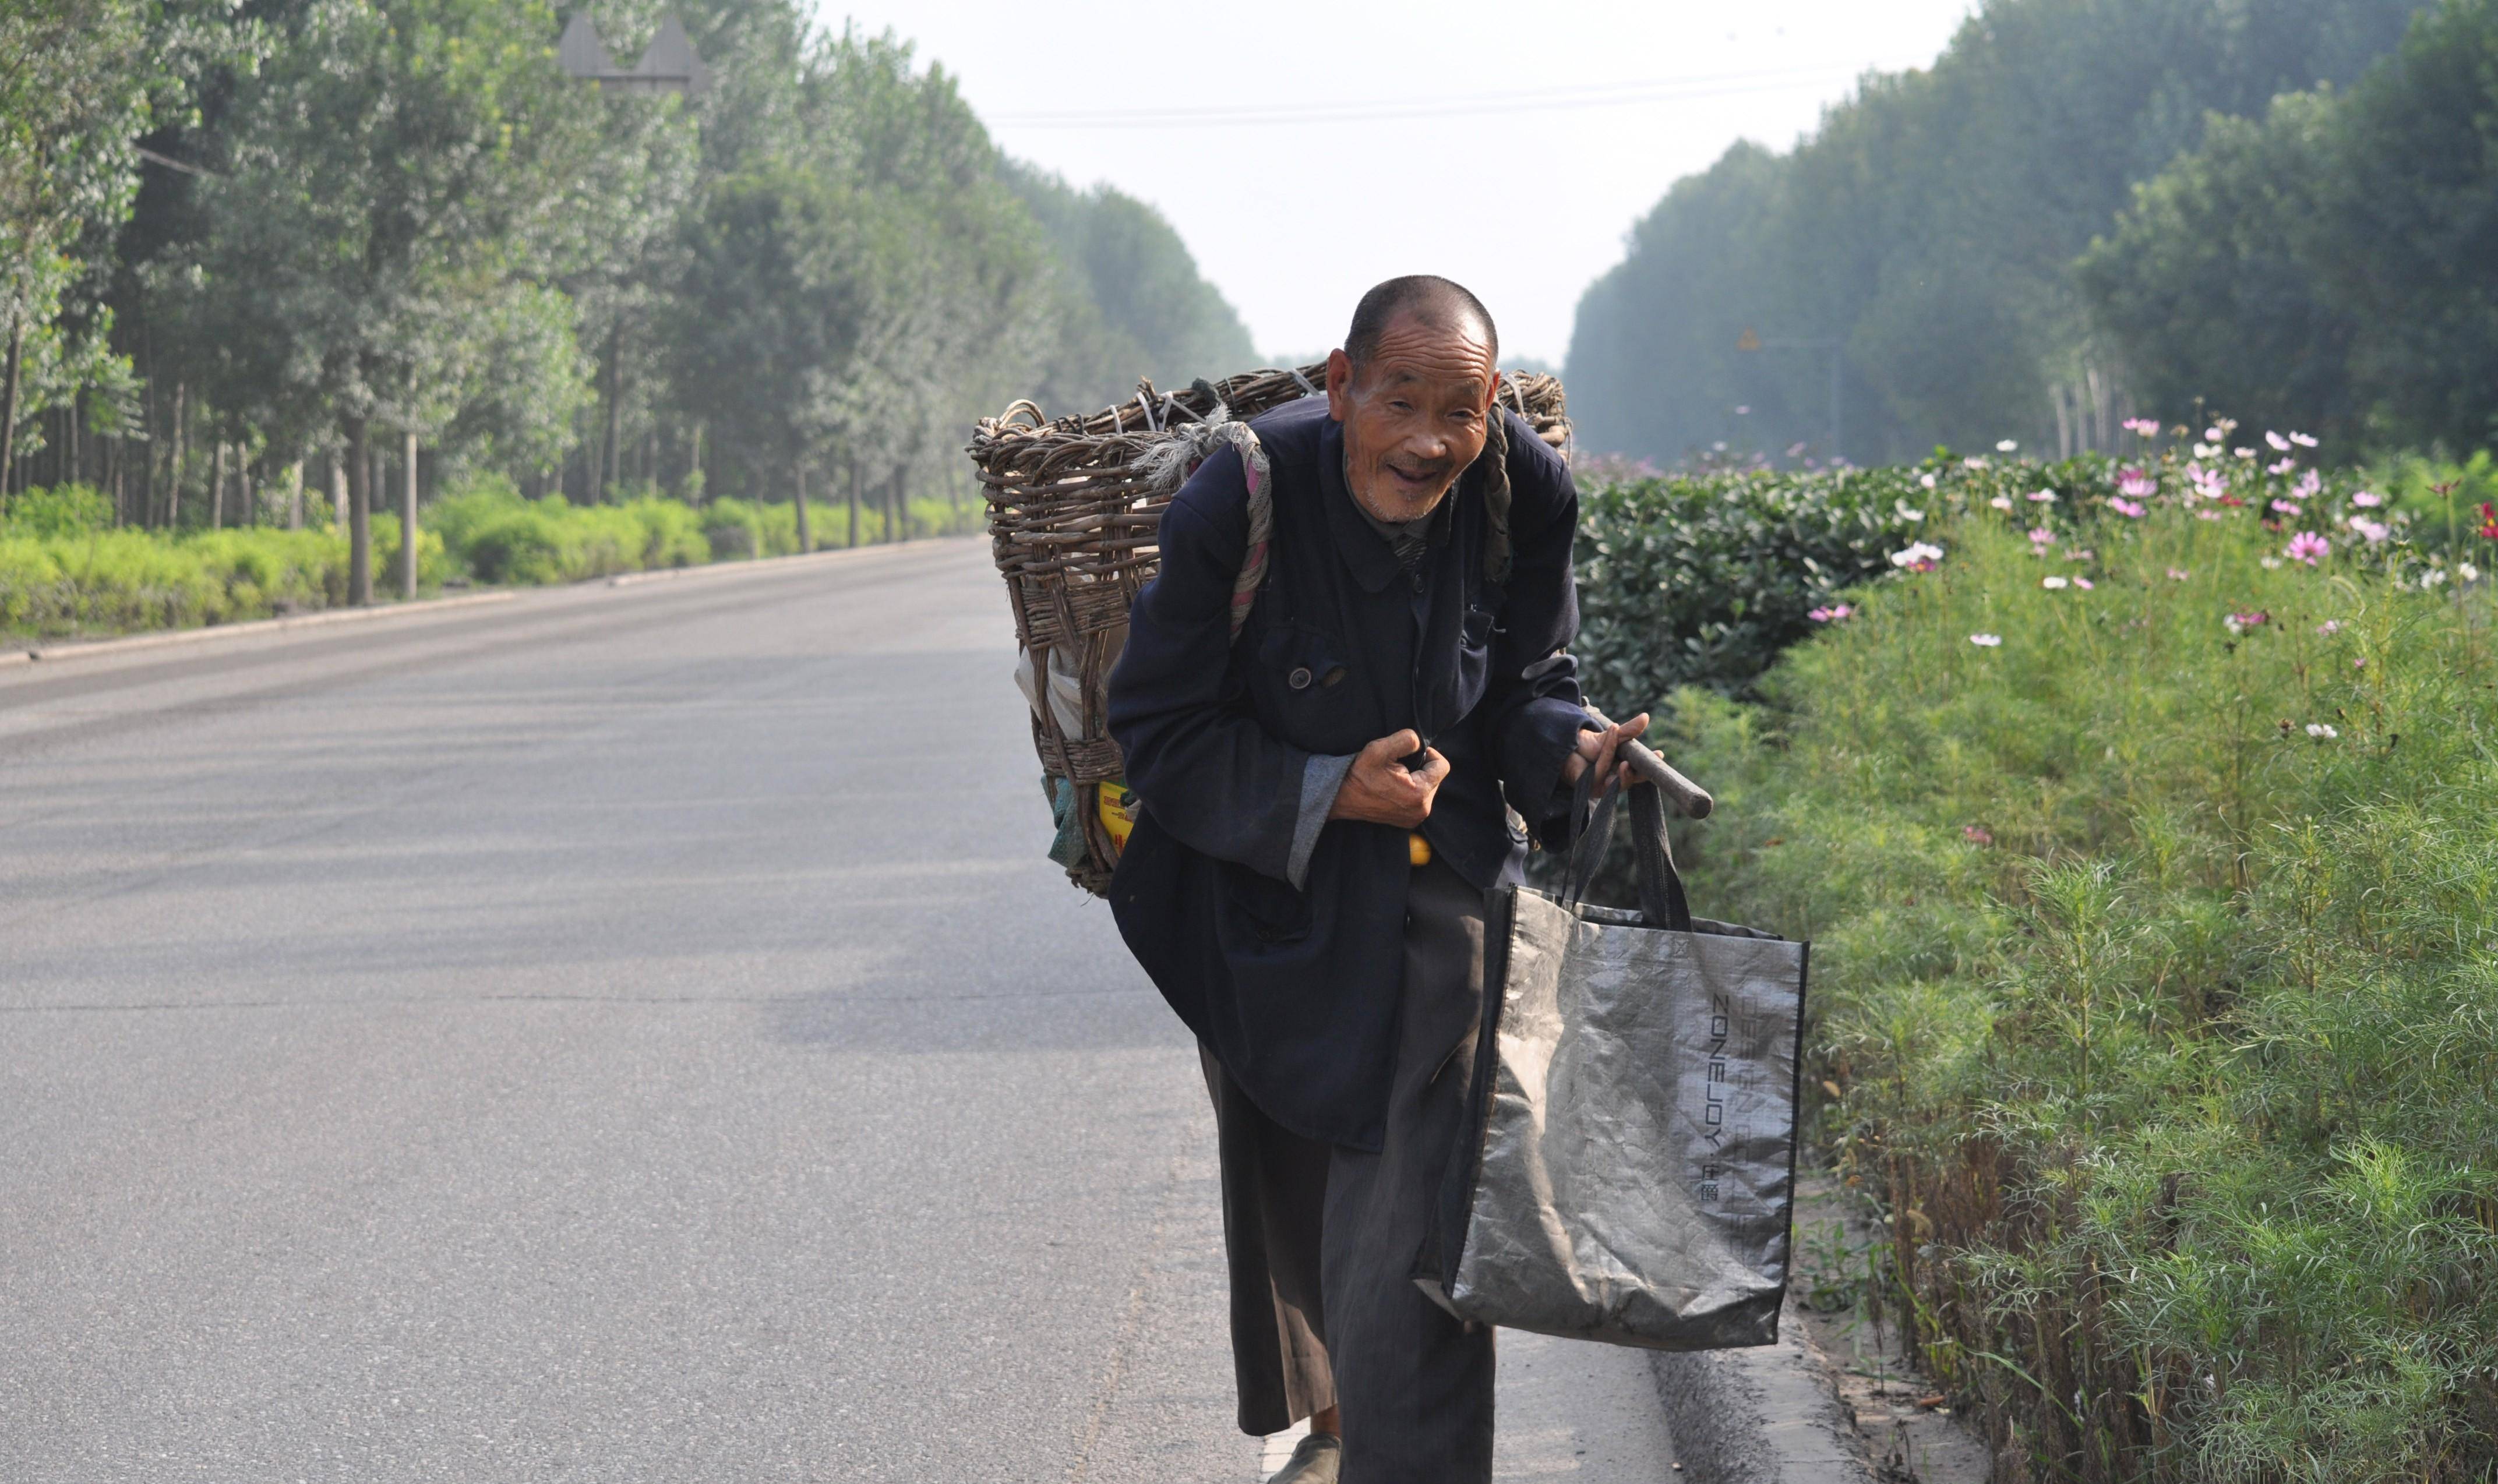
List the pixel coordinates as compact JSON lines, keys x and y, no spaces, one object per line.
{"x":1662,"y":901}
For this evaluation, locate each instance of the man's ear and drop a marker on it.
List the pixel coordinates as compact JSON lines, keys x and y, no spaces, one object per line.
{"x":1491,"y":392}
{"x":1339,"y":385}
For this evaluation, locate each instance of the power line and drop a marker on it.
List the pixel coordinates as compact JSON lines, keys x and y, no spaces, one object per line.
{"x":1544,"y":100}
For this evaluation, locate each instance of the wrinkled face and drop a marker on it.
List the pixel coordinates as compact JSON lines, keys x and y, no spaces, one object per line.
{"x":1414,"y":416}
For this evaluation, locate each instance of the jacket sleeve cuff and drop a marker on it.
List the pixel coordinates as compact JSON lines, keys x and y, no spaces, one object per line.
{"x":1542,"y":738}
{"x":1321,"y":778}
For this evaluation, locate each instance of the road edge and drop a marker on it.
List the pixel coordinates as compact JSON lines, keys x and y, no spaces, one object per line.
{"x":53,"y":653}
{"x":1766,"y":1415}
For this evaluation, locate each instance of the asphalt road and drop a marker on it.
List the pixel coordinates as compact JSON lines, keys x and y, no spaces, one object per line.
{"x":619,"y":1035}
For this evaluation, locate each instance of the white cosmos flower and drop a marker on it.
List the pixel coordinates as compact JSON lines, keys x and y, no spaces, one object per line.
{"x":1987,"y":641}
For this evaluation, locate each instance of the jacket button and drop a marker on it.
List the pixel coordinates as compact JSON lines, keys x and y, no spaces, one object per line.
{"x":1300,"y":679}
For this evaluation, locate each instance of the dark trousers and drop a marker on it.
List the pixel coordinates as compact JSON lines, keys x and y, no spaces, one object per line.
{"x":1322,"y":1238}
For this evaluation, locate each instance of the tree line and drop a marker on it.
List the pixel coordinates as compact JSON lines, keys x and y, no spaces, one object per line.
{"x":248,"y":246}
{"x":1913,"y":273}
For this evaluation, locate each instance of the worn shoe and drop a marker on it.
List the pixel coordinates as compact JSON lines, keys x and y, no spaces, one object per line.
{"x":1314,"y":1462}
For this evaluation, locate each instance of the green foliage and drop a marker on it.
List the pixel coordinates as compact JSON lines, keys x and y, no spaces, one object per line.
{"x":1929,"y":227}
{"x":1701,"y":579}
{"x":103,"y":580}
{"x":72,"y":510}
{"x":2154,"y":963}
{"x":2329,"y":265}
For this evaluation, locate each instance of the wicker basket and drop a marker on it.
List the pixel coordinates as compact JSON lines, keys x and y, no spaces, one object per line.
{"x":1073,"y":509}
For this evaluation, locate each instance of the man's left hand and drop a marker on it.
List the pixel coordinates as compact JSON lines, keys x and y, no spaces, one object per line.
{"x":1599,"y":750}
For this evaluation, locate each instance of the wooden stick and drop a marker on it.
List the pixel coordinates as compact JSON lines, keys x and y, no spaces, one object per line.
{"x":1688,"y":797}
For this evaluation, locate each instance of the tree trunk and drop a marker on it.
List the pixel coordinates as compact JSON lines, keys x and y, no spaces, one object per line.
{"x":218,"y":488}
{"x":9,"y":399}
{"x":855,"y":499}
{"x":407,"y":526}
{"x":693,"y":475}
{"x":901,"y":507}
{"x":181,"y":455}
{"x":612,"y":373}
{"x":360,"y":515}
{"x":806,"y":541}
{"x":295,"y":495}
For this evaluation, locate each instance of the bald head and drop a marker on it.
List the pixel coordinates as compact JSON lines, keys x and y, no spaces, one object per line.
{"x":1433,"y":302}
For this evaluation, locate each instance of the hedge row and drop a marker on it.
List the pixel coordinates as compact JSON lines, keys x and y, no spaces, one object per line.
{"x":64,"y":568}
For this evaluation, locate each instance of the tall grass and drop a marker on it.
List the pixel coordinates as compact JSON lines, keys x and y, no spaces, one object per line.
{"x":2157,"y":964}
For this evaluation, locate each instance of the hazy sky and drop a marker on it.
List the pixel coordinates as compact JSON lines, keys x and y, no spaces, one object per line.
{"x":1305,"y":151}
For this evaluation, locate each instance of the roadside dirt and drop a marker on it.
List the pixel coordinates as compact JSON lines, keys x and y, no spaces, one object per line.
{"x":1905,"y":1427}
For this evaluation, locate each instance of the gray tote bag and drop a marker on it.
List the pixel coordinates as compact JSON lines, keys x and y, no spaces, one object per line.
{"x":1628,"y":1169}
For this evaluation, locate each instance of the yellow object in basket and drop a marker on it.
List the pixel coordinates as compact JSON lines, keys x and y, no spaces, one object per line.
{"x":1417,"y":850}
{"x":1118,"y":811}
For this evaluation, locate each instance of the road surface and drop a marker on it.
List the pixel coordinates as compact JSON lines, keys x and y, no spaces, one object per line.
{"x":626,"y":1033}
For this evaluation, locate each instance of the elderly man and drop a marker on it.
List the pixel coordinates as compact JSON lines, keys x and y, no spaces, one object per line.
{"x":1326,"y":800}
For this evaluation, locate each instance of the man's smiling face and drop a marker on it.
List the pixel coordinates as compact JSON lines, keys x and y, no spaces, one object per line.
{"x":1413,"y":412}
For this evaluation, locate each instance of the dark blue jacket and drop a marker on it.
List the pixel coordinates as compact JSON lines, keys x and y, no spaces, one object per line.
{"x":1296,"y":988}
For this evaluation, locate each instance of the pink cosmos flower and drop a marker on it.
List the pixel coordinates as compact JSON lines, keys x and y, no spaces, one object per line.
{"x":1833,"y":614}
{"x":2178,"y":574}
{"x":1927,"y":480}
{"x":2374,"y":530}
{"x":2148,"y":427}
{"x":2239,"y":623}
{"x":2304,"y":440}
{"x":2288,"y":507}
{"x":2307,"y":547}
{"x":1976,"y":835}
{"x":2041,"y":535}
{"x":2243,"y":453}
{"x":2131,"y":509}
{"x":2366,"y":500}
{"x":2210,"y":484}
{"x":2280,"y":444}
{"x":2134,"y":485}
{"x":2042,"y":496}
{"x":2284,"y":467}
{"x":2082,"y":582}
{"x":1987,"y":641}
{"x":2207,"y":515}
{"x":2080,"y":554}
{"x":2329,"y":627}
{"x":2215,"y":433}
{"x":2310,"y":485}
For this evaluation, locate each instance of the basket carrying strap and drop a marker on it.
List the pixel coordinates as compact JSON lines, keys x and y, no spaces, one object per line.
{"x":1262,"y":520}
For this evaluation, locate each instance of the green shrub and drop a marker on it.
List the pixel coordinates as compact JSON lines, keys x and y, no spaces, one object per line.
{"x":1702,"y":579}
{"x":69,"y":510}
{"x":2156,"y":976}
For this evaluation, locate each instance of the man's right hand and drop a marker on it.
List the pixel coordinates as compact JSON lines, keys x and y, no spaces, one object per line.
{"x":1379,"y":787}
